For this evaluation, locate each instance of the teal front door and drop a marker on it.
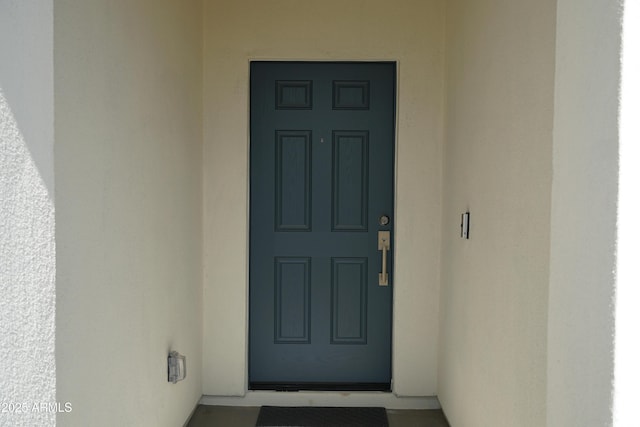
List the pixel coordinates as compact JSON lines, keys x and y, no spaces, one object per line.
{"x":322,"y":174}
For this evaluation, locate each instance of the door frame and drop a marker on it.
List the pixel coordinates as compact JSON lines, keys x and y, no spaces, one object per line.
{"x":248,"y":199}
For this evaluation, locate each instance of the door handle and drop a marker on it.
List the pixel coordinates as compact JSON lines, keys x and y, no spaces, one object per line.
{"x":384,"y":244}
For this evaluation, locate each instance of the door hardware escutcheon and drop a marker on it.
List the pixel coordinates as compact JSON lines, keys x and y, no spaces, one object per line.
{"x":384,"y":244}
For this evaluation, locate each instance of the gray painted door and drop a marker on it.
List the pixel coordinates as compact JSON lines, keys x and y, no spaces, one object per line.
{"x":322,"y":159}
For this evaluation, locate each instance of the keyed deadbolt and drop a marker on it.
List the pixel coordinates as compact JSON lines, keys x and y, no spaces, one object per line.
{"x":384,"y":220}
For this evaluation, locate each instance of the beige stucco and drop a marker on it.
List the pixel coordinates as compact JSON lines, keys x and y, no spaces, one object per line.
{"x":410,"y":32}
{"x":128,"y":98}
{"x":497,"y":165}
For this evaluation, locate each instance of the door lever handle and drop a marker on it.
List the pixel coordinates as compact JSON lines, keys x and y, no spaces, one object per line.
{"x":384,"y":244}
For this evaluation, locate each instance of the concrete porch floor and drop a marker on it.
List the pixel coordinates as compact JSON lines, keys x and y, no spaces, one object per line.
{"x":246,"y":416}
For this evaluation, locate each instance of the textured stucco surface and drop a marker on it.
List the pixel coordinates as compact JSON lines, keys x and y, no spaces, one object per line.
{"x":497,"y":165}
{"x":27,"y":225}
{"x":128,"y":96}
{"x":27,"y":280}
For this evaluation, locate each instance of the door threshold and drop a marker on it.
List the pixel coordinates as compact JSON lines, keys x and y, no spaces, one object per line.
{"x":318,"y":386}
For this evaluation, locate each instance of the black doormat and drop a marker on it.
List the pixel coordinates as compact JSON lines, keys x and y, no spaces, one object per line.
{"x":271,"y":416}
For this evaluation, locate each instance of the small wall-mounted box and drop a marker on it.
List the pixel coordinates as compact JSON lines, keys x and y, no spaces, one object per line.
{"x":177,"y":367}
{"x":464,"y":225}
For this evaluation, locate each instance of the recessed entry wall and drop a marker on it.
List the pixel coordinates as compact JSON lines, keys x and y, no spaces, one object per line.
{"x":128,"y":227}
{"x":497,"y":164}
{"x":236,"y":32}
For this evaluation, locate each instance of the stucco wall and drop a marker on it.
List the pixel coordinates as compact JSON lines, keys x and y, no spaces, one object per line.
{"x":128,"y":98}
{"x":497,"y":165}
{"x":27,"y":225}
{"x":408,"y":31}
{"x":583,"y":214}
